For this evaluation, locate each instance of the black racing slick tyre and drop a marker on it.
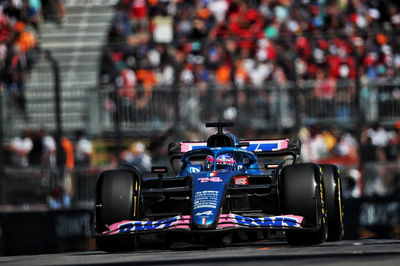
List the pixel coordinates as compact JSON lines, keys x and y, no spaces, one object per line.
{"x":301,"y":192}
{"x":334,"y":201}
{"x":117,"y":199}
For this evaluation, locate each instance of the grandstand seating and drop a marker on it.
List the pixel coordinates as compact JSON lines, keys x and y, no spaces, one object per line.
{"x":76,"y":46}
{"x":266,"y":97}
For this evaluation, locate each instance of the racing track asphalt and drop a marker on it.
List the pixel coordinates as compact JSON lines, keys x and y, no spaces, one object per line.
{"x":344,"y":253}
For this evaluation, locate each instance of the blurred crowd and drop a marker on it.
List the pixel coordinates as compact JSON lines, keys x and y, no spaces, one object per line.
{"x":249,"y":42}
{"x":223,"y":44}
{"x":19,"y":23}
{"x":237,"y":44}
{"x":56,"y":157}
{"x":19,"y":42}
{"x":369,"y":160}
{"x":39,"y":148}
{"x":375,"y":151}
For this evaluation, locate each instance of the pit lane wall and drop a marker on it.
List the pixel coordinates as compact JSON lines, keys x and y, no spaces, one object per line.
{"x":45,"y":231}
{"x":372,"y":217}
{"x":50,"y":231}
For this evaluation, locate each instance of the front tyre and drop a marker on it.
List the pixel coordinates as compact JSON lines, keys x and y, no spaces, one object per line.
{"x":301,"y":192}
{"x":334,"y":201}
{"x":117,"y":198}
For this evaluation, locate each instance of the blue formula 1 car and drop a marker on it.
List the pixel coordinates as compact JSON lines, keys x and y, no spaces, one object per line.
{"x":220,"y":188}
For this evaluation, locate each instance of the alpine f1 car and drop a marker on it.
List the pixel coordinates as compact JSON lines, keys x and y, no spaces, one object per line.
{"x":218,"y":187}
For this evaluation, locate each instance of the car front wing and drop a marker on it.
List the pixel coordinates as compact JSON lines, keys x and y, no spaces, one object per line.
{"x":225,"y":222}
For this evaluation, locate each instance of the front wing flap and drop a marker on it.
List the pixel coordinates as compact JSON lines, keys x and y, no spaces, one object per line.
{"x":225,"y":222}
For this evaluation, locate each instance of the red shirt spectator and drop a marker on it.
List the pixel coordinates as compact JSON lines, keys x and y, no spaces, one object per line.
{"x":138,"y":9}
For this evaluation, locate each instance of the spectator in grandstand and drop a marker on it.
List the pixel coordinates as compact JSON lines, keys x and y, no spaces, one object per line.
{"x":31,"y":10}
{"x":383,"y":180}
{"x":313,"y":145}
{"x":12,"y":9}
{"x":49,"y":149}
{"x":121,"y":27}
{"x":367,"y":149}
{"x":83,"y":149}
{"x":158,"y":147}
{"x":66,"y":157}
{"x":324,"y":92}
{"x":20,"y":148}
{"x":35,"y":155}
{"x":147,"y":79}
{"x":379,"y":135}
{"x":351,"y":184}
{"x":218,"y":8}
{"x":137,"y":155}
{"x":382,"y":176}
{"x":250,"y":42}
{"x":43,"y":149}
{"x":18,"y":47}
{"x":67,"y":153}
{"x":331,"y":137}
{"x":138,"y":12}
{"x":53,"y":10}
{"x":347,"y":146}
{"x":394,"y":145}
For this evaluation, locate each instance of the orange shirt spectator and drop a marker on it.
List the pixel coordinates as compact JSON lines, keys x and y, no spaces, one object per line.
{"x":223,"y":74}
{"x":26,"y":41}
{"x":68,"y":147}
{"x":147,"y":78}
{"x":241,"y":74}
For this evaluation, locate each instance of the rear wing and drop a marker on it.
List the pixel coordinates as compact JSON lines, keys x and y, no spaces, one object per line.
{"x":258,"y":147}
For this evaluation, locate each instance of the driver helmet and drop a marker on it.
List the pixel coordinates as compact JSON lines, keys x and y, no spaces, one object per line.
{"x":208,"y":164}
{"x":225,"y":162}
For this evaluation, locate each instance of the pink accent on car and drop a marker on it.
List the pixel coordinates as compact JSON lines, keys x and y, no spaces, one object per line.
{"x":188,"y":146}
{"x":224,"y":221}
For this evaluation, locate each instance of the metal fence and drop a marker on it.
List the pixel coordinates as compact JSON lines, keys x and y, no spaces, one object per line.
{"x":34,"y":185}
{"x":274,"y":106}
{"x":140,"y":114}
{"x":270,"y":107}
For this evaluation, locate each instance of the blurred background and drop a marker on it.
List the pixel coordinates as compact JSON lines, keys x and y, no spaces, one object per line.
{"x":87,"y":85}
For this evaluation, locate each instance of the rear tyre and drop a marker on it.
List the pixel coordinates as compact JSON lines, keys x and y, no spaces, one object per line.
{"x":117,"y":198}
{"x":334,"y":201}
{"x":301,"y":193}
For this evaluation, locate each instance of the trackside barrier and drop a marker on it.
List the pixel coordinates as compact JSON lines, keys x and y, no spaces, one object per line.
{"x":142,"y":113}
{"x":45,"y":231}
{"x":272,"y":106}
{"x":31,"y":186}
{"x":372,"y":217}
